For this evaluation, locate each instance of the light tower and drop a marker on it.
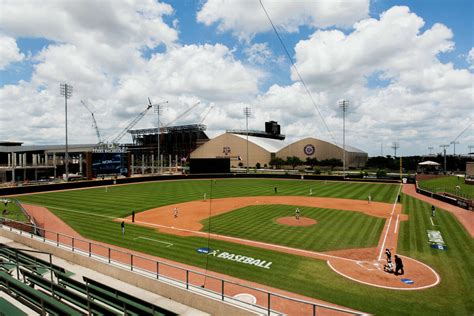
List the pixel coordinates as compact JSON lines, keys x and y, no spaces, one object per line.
{"x":444,"y":148}
{"x":158,"y":109}
{"x":395,"y":146}
{"x":247,"y":113}
{"x":454,"y":146}
{"x":344,"y":104}
{"x":470,"y":149}
{"x":66,"y":91}
{"x":430,"y":148}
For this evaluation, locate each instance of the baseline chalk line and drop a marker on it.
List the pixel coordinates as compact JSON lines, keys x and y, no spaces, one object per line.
{"x":155,"y":240}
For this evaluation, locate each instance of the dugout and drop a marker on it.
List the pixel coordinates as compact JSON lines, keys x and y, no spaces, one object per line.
{"x":209,"y":165}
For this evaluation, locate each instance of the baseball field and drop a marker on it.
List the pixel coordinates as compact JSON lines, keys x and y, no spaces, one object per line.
{"x":224,"y":214}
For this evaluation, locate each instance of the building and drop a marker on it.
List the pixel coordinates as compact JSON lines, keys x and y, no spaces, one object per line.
{"x":32,"y":163}
{"x":262,"y":147}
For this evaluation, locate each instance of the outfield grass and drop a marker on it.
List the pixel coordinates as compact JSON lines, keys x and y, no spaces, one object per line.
{"x":335,"y":229}
{"x":13,"y":211}
{"x":447,"y":184}
{"x":90,"y":212}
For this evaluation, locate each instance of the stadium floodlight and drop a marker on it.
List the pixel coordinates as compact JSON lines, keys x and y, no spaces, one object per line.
{"x":454,"y":146}
{"x":66,"y":91}
{"x":444,"y":148}
{"x":430,"y":148}
{"x":344,"y":104}
{"x":247,"y":113}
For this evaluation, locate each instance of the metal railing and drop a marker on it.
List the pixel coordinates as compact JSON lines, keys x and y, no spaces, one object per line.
{"x":205,"y":284}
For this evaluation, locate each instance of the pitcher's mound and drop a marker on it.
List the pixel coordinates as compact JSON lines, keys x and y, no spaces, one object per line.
{"x":292,"y":221}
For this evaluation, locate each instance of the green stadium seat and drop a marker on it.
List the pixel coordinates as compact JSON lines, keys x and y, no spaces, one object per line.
{"x":34,"y":297}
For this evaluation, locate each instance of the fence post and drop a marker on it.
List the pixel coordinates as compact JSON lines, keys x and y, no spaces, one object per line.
{"x":222,"y":289}
{"x":157,"y":269}
{"x":131,"y":262}
{"x":57,"y":239}
{"x":109,"y":255}
{"x":268,"y":303}
{"x":187,"y":279}
{"x":90,"y":245}
{"x":72,"y":244}
{"x":314,"y":310}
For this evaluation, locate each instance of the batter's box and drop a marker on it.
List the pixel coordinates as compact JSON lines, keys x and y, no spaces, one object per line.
{"x":369,"y":265}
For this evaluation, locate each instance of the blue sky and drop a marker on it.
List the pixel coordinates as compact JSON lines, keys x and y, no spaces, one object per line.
{"x":406,"y":81}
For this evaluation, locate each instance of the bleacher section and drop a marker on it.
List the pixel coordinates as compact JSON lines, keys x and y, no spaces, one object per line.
{"x":59,"y":293}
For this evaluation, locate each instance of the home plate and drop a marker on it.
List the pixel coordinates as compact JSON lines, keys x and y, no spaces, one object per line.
{"x":368,"y":265}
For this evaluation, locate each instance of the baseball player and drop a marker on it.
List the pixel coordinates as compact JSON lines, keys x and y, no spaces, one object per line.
{"x":297,"y":213}
{"x":175,"y":212}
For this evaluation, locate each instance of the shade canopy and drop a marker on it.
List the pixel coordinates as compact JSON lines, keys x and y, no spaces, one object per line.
{"x":428,"y":163}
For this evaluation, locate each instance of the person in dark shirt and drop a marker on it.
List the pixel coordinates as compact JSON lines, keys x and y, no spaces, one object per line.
{"x":398,"y":265}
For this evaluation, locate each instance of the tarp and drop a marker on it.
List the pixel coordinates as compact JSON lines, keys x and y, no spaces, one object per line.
{"x":428,"y":163}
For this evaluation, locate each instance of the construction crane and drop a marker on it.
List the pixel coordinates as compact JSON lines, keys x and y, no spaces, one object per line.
{"x":183,"y":114}
{"x":206,"y":114}
{"x":94,"y":122}
{"x":132,"y":124}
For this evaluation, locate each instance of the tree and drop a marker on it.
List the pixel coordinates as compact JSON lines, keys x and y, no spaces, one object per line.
{"x":311,"y":162}
{"x":277,"y":162}
{"x":333,"y":162}
{"x":293,"y":161}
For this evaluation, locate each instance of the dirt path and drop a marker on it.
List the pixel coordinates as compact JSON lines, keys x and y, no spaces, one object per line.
{"x":465,"y":217}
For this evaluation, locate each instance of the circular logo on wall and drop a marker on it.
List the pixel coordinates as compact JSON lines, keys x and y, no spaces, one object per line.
{"x":309,"y":149}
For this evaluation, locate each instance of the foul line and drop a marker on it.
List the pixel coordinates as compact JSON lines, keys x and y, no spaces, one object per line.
{"x":155,"y":240}
{"x":396,"y":225}
{"x":432,"y":221}
{"x":389,"y":223}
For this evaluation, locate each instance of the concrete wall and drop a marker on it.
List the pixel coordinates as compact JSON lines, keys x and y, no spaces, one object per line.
{"x":180,"y":295}
{"x":470,"y":169}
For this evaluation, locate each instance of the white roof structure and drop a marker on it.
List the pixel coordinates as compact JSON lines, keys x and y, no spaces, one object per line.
{"x":270,"y":145}
{"x":428,"y":163}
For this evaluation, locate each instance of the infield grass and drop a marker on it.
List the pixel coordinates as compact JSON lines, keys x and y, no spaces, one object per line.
{"x":335,"y":229}
{"x":91,"y":211}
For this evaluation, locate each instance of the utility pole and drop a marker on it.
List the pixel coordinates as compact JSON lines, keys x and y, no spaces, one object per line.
{"x":247,"y":113}
{"x":454,"y":146}
{"x":66,"y":91}
{"x":470,"y":149}
{"x":344,"y":104}
{"x":430,"y":148}
{"x":395,"y":146}
{"x":444,"y":148}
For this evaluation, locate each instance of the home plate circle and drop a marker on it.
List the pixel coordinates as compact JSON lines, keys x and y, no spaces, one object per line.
{"x":247,"y":298}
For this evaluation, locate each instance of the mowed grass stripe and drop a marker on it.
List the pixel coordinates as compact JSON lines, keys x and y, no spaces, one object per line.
{"x":339,"y":231}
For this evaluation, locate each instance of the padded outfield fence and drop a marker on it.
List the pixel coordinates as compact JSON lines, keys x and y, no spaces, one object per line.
{"x":214,"y":287}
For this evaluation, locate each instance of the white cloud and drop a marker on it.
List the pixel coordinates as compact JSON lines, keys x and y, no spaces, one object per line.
{"x":9,"y":51}
{"x":470,"y":58}
{"x":391,"y":46}
{"x":258,"y":53}
{"x":247,"y":18}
